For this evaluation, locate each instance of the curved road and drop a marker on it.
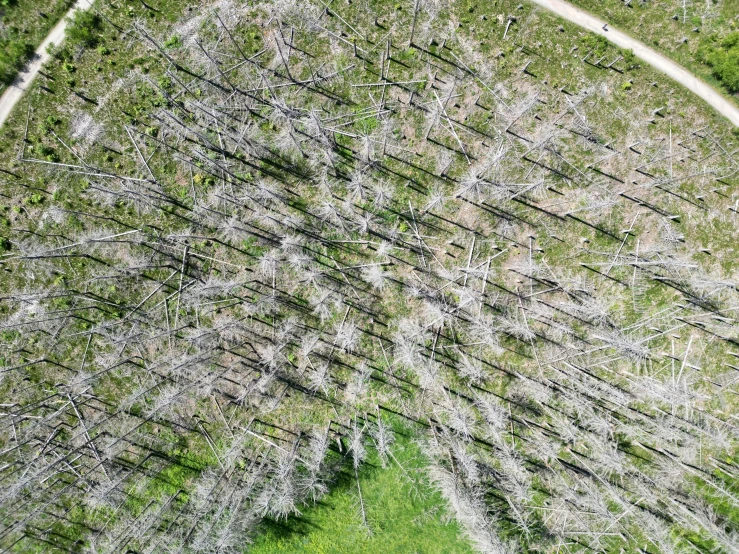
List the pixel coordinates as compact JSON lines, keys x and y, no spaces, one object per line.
{"x":642,"y":51}
{"x":15,"y":91}
{"x":577,"y":16}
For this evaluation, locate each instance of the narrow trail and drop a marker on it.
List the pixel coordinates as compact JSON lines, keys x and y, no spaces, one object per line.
{"x":24,"y":79}
{"x":642,"y":51}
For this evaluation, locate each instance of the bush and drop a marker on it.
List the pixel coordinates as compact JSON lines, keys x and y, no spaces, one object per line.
{"x":173,"y":42}
{"x":35,"y":199}
{"x":723,"y":58}
{"x":13,"y":55}
{"x":596,"y":43}
{"x":84,"y":29}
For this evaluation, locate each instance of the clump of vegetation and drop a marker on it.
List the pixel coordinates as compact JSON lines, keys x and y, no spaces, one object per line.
{"x":173,"y":42}
{"x":84,"y":29}
{"x":722,"y":55}
{"x":597,"y":44}
{"x":13,"y":56}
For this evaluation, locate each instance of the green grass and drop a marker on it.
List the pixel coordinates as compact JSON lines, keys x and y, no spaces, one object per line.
{"x":404,"y":515}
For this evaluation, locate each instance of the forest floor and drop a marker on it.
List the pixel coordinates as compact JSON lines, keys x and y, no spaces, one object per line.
{"x":15,"y":92}
{"x":643,"y":52}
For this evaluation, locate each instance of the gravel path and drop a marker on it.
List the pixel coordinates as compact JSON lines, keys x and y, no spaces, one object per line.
{"x":642,"y":51}
{"x":15,"y":91}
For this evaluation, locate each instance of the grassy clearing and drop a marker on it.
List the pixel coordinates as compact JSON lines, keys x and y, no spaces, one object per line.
{"x":404,"y":515}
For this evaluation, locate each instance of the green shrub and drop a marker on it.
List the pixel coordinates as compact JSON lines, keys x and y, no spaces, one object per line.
{"x":13,"y":55}
{"x":48,"y":153}
{"x":63,"y":54}
{"x":723,"y":58}
{"x":596,"y":43}
{"x":173,"y":42}
{"x":35,"y":199}
{"x":84,"y":29}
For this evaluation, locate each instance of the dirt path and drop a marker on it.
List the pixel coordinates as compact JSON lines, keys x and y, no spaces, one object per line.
{"x":658,"y":61}
{"x":15,"y":91}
